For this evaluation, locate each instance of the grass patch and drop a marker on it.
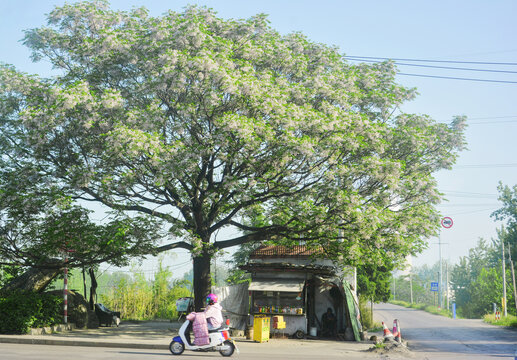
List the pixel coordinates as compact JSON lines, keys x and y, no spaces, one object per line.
{"x":509,"y":320}
{"x":376,"y":327}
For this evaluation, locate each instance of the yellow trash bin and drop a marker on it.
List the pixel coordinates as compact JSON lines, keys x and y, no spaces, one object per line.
{"x":261,"y":328}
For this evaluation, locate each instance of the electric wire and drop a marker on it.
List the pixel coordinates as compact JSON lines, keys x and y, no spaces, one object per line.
{"x":379,"y":59}
{"x":484,"y":166}
{"x":433,"y":61}
{"x":447,"y":67}
{"x":459,"y":78}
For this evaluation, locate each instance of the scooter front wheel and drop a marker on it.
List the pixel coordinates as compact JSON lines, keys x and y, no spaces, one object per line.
{"x":230,"y":350}
{"x":176,"y":348}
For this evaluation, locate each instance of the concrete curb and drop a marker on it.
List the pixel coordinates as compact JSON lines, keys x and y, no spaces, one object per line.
{"x":75,"y":342}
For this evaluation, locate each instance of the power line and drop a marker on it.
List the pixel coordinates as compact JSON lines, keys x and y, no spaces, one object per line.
{"x":432,"y":61}
{"x":494,"y":117}
{"x":483,"y":166}
{"x":446,"y":67}
{"x":468,"y":205}
{"x":459,"y":78}
{"x":472,"y":211}
{"x":468,"y":193}
{"x":488,"y":118}
{"x":493,"y":122}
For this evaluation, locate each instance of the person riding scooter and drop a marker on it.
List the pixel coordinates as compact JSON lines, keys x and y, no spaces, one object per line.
{"x":213,"y":315}
{"x":209,"y":335}
{"x":213,"y":312}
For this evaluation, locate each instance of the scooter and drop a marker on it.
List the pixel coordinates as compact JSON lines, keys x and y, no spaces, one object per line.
{"x":219,"y":341}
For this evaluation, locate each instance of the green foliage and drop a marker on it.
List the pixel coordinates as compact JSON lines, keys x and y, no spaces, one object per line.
{"x":241,"y":257}
{"x":21,"y":311}
{"x":138,"y":298}
{"x":366,"y":313}
{"x":373,"y":282}
{"x":477,"y":281}
{"x":206,"y":123}
{"x":509,"y":320}
{"x":8,"y":272}
{"x":238,"y":276}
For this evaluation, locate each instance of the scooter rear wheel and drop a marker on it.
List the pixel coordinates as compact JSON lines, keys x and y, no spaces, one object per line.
{"x":176,"y":348}
{"x":230,"y":350}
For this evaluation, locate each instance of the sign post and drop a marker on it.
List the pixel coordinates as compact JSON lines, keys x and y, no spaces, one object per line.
{"x":65,"y":286}
{"x":447,"y":224}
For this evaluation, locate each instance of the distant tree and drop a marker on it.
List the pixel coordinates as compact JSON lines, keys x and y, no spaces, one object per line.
{"x":471,"y":275}
{"x":203,"y":122}
{"x":508,"y":213}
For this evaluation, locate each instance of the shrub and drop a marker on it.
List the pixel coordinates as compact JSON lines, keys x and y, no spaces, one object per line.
{"x":21,"y":311}
{"x":509,"y":320}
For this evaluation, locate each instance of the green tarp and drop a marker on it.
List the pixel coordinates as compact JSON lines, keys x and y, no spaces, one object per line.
{"x":353,"y":310}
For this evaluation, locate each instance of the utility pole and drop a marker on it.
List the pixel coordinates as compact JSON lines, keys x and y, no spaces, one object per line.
{"x":447,"y":283}
{"x":447,"y":224}
{"x":411,"y":286}
{"x":394,"y":288}
{"x":513,"y":276}
{"x":440,"y":280}
{"x":504,"y":283}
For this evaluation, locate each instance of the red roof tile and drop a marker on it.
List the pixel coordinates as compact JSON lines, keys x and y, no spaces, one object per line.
{"x":284,"y":251}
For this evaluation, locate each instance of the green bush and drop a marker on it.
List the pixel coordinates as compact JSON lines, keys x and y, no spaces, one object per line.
{"x":21,"y":311}
{"x":138,"y":298}
{"x":509,"y":320}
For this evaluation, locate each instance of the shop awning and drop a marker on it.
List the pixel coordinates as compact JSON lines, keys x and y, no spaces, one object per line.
{"x":286,"y":285}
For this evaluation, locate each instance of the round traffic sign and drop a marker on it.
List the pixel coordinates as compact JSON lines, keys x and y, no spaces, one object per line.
{"x":447,"y":222}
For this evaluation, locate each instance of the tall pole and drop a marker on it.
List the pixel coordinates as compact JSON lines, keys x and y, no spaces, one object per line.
{"x":411,"y":286}
{"x":65,"y":290}
{"x":447,"y":224}
{"x":394,"y":288}
{"x":504,"y":283}
{"x":440,"y":284}
{"x":513,"y":276}
{"x":447,"y":283}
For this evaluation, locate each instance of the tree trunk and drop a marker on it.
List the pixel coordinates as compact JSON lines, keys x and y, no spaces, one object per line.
{"x":202,"y":279}
{"x":34,"y":279}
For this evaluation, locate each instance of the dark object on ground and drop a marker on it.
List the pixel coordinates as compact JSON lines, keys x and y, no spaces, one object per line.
{"x":107,"y":316}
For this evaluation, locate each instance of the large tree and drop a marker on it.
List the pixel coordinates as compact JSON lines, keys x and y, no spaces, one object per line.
{"x":205,"y":123}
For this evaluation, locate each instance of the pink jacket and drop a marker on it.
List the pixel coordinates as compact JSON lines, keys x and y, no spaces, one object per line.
{"x":214,"y":315}
{"x":199,"y":327}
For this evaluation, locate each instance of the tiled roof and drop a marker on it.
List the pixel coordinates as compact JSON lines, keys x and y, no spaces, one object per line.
{"x":284,"y":266}
{"x":296,"y":251}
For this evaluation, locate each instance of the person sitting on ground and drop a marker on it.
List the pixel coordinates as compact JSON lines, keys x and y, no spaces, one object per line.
{"x":213,"y":312}
{"x":328,"y":323}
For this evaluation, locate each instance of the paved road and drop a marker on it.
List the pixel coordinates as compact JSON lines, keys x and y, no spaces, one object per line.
{"x":436,"y":337}
{"x":274,"y":350}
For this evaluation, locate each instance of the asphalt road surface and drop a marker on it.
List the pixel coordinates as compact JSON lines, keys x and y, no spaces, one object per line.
{"x":273,"y":350}
{"x":436,"y":337}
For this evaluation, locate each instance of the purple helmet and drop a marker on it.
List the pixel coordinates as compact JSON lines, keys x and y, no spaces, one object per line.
{"x":211,"y":299}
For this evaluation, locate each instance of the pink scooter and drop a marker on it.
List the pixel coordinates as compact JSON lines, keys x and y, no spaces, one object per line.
{"x":219,"y":341}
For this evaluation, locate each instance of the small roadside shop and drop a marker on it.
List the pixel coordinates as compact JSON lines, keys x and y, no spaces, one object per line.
{"x":297,"y":285}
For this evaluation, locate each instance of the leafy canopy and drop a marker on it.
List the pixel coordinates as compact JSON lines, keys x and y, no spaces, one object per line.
{"x":208,"y":124}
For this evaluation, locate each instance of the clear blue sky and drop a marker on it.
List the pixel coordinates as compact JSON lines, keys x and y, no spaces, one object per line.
{"x":461,"y":30}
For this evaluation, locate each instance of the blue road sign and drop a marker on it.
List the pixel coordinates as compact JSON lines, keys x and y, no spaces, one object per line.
{"x":434,"y":286}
